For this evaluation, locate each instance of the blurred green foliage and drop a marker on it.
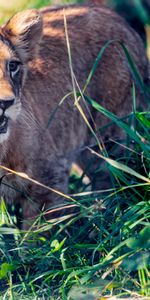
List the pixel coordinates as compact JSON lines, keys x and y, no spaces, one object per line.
{"x":133,"y":8}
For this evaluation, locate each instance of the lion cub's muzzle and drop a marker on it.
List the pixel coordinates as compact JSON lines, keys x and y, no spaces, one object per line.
{"x":4,"y":105}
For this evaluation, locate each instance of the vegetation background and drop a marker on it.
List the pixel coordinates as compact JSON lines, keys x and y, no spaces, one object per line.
{"x":103,"y":250}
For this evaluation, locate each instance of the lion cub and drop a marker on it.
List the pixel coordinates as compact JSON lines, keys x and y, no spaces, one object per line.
{"x":35,"y":75}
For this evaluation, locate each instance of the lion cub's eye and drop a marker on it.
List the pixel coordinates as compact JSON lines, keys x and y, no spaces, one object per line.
{"x":14,"y":67}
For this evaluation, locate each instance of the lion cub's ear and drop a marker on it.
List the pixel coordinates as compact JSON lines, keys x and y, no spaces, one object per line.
{"x":24,"y":30}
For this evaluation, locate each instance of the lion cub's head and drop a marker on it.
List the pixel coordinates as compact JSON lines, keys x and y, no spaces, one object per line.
{"x":19,"y":39}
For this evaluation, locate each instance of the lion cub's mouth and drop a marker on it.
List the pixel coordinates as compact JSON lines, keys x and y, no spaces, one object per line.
{"x":3,"y":124}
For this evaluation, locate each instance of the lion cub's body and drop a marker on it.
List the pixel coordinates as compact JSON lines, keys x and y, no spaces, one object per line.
{"x":44,"y":148}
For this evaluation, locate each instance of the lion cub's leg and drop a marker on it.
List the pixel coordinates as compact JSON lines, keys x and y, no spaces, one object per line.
{"x":30,"y":214}
{"x":48,"y":200}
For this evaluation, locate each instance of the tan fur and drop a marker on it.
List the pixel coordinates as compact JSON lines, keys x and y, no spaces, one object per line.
{"x":29,"y":146}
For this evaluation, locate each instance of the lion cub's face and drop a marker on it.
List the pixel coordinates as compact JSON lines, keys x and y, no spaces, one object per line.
{"x":11,"y":77}
{"x":19,"y":40}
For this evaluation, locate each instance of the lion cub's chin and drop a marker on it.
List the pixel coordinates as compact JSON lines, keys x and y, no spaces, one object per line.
{"x":7,"y":119}
{"x":4,"y":136}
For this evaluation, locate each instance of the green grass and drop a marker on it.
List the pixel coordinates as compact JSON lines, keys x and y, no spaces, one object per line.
{"x":101,"y":249}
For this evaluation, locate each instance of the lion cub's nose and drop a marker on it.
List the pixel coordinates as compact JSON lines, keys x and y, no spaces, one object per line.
{"x":4,"y":104}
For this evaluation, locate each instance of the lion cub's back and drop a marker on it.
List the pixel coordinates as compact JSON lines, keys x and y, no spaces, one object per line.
{"x":89,"y":28}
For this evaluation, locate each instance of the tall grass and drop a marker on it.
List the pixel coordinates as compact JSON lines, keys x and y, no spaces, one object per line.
{"x":102,"y":249}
